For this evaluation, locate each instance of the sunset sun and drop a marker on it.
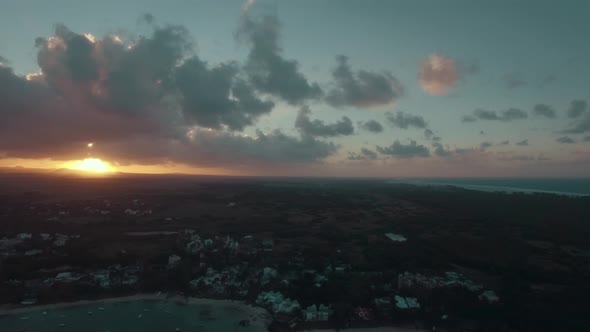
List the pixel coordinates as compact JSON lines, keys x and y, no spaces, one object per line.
{"x":91,"y":165}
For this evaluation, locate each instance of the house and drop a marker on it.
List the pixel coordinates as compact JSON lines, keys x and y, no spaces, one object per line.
{"x":315,"y":313}
{"x":60,"y":240}
{"x":173,"y":261}
{"x":395,"y":237}
{"x":268,"y":273}
{"x":67,"y":277}
{"x":406,"y":303}
{"x":24,"y":236}
{"x":489,"y":296}
{"x":267,"y":245}
{"x":102,"y":277}
{"x":277,"y":303}
{"x":310,"y":313}
{"x":324,"y":312}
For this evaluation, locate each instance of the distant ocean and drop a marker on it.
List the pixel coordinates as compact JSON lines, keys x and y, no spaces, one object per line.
{"x":568,"y":186}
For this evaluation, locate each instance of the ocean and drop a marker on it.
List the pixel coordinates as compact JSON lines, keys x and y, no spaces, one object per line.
{"x":140,"y":315}
{"x":564,"y":186}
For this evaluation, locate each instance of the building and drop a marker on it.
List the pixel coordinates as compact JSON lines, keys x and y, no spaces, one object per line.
{"x":315,"y":313}
{"x":406,"y":303}
{"x":395,"y":237}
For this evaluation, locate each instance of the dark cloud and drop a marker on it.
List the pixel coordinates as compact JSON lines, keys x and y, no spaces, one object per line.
{"x":428,"y":133}
{"x":523,"y":158}
{"x":365,"y":154}
{"x":142,"y":102}
{"x":272,"y":147}
{"x":544,"y":110}
{"x":523,"y":142}
{"x":582,"y":125}
{"x":372,"y":126}
{"x":565,"y":140}
{"x":586,"y":139}
{"x":481,"y":132}
{"x":399,"y":150}
{"x":219,"y":148}
{"x":206,"y":97}
{"x":404,"y":120}
{"x":504,"y":116}
{"x":468,"y":118}
{"x":485,"y":145}
{"x":513,"y":80}
{"x":363,"y":88}
{"x":441,"y":151}
{"x":576,"y":108}
{"x":268,"y":71}
{"x":318,"y":128}
{"x":504,"y":143}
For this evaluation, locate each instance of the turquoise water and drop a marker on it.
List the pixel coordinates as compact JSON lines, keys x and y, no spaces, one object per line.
{"x":567,"y":186}
{"x":144,"y":316}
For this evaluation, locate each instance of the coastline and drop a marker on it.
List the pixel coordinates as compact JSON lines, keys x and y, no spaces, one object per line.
{"x":488,"y":188}
{"x":261,"y":317}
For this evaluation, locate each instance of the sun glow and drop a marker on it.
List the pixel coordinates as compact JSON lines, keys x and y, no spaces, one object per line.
{"x":91,"y":165}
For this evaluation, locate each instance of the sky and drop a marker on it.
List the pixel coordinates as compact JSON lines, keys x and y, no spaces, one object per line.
{"x":456,"y":88}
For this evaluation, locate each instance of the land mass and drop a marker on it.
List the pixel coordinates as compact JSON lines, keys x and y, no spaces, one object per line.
{"x":316,"y":253}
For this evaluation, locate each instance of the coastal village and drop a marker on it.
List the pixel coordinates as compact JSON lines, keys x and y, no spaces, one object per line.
{"x":96,"y":249}
{"x":294,"y":289}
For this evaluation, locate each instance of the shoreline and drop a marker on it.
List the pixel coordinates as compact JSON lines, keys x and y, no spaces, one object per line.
{"x":489,"y":188}
{"x":263,"y":318}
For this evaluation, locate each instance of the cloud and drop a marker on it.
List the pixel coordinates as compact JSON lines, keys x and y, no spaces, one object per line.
{"x":438,"y":74}
{"x":523,"y":158}
{"x":548,"y":79}
{"x":149,"y":100}
{"x":504,"y":143}
{"x":441,"y":151}
{"x":267,"y":70}
{"x":399,"y":150}
{"x":485,"y":145}
{"x":513,"y":81}
{"x":582,"y":125}
{"x":504,"y":116}
{"x":576,"y":108}
{"x":586,"y":139}
{"x":544,"y":110}
{"x":362,"y":89}
{"x":524,"y":142}
{"x":365,"y":154}
{"x":468,"y":118}
{"x":565,"y":140}
{"x":246,"y":6}
{"x":214,"y":97}
{"x":318,"y":128}
{"x":404,"y":120}
{"x":372,"y":126}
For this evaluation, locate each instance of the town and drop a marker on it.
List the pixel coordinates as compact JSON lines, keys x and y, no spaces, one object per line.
{"x":342,"y":254}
